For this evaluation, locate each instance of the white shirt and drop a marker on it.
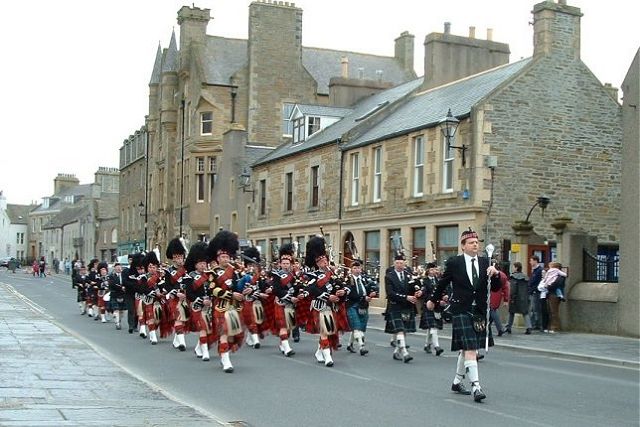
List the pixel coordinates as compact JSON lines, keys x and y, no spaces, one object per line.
{"x":467,"y":262}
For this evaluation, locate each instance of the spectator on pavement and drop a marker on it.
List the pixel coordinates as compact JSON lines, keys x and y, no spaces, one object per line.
{"x":518,"y":298}
{"x":534,"y":281}
{"x":56,"y":265}
{"x":552,"y":283}
{"x":36,"y":268}
{"x":499,"y":297}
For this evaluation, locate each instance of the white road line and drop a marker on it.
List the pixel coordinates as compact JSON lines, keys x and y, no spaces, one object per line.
{"x":321,"y":365}
{"x":479,"y":407}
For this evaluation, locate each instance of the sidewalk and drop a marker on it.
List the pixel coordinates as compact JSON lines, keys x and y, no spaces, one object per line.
{"x":50,"y":378}
{"x":597,"y":348}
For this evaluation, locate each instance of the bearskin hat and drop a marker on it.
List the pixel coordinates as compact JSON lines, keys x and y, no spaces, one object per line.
{"x":251,"y":255}
{"x":175,"y":247}
{"x":102,"y":265}
{"x":287,"y":251}
{"x":93,"y":263}
{"x":315,"y":249}
{"x":197,"y":253}
{"x":150,"y":258}
{"x":136,"y":260}
{"x":225,"y":242}
{"x":431,"y":265}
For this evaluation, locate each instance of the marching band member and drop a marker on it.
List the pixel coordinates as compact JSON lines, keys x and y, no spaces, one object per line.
{"x":102,"y":288}
{"x":92,"y":289}
{"x":196,"y":285}
{"x":401,"y":311}
{"x":80,"y":282}
{"x":286,"y":297}
{"x":150,"y":286}
{"x":178,"y":308}
{"x":117,"y":289}
{"x":321,"y":287}
{"x":361,"y":292}
{"x":135,"y":270}
{"x":469,"y":274}
{"x":228,"y":297}
{"x":431,"y":320}
{"x":253,"y":283}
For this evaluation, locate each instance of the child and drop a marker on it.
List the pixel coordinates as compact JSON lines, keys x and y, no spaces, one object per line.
{"x":547,"y":283}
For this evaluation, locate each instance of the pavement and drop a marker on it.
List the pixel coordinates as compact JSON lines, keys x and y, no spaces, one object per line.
{"x":50,"y":377}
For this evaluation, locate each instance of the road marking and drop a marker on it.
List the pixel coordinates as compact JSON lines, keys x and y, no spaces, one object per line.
{"x":477,"y":406}
{"x":31,"y":304}
{"x":321,"y":365}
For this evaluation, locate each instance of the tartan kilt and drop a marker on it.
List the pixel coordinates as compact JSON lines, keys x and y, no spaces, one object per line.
{"x":118,"y":305}
{"x":279,"y":320}
{"x":172,"y":309}
{"x":81,"y":296}
{"x":249,"y":319}
{"x":464,"y":337}
{"x":400,"y":321}
{"x":356,"y":320}
{"x":340,"y":316}
{"x":220,"y":324}
{"x":150,"y":313}
{"x":269,"y":312}
{"x":302,"y":310}
{"x":313,"y":322}
{"x":428,"y":320}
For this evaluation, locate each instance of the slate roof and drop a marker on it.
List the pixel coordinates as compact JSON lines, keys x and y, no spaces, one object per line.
{"x":170,"y":63}
{"x":322,"y":110}
{"x":57,"y":200}
{"x":67,"y":216}
{"x":157,"y":67}
{"x":225,"y":56}
{"x":426,"y":109}
{"x":18,"y":213}
{"x":255,"y":152}
{"x":331,"y":133}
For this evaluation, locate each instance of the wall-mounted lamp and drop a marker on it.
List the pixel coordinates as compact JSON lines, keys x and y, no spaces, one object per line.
{"x":141,"y":208}
{"x":245,"y":181}
{"x":543,"y":202}
{"x":449,"y":125}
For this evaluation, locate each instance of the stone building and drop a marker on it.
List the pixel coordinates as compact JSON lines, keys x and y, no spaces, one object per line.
{"x":387,"y":178}
{"x":13,"y":229}
{"x":77,"y":220}
{"x":206,"y":88}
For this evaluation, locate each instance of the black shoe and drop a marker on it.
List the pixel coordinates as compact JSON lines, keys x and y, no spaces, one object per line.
{"x":396,"y":356}
{"x":439,"y":351}
{"x":500,"y":333}
{"x":256,"y":345}
{"x":393,"y":344}
{"x":427,"y":348}
{"x":363,"y":352}
{"x":460,"y":389}
{"x":296,"y":338}
{"x":351,"y":349}
{"x":478,"y":394}
{"x":130,"y":330}
{"x":528,"y":331}
{"x":479,"y":357}
{"x":508,"y":330}
{"x":408,"y":358}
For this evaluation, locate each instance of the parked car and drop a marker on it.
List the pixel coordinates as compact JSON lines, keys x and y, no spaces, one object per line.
{"x":4,"y":262}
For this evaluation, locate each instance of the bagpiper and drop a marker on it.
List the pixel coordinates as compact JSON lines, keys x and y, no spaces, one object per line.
{"x":253,"y":283}
{"x":80,"y":281}
{"x":117,"y":294}
{"x":228,"y":296}
{"x":102,"y":280}
{"x":92,"y":289}
{"x":152,"y":296}
{"x":178,"y":308}
{"x":431,"y":320}
{"x":286,"y":293}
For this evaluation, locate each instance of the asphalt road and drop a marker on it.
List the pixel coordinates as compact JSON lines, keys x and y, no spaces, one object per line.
{"x":268,"y":389}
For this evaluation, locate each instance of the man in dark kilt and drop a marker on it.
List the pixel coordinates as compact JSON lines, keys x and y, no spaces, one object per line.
{"x":469,"y":275}
{"x":402,"y":297}
{"x":431,"y":320}
{"x":80,"y":282}
{"x":130,"y":275}
{"x":362,"y":290}
{"x":117,"y":293}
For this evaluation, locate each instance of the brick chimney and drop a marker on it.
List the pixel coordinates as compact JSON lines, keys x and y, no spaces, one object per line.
{"x":448,"y":57}
{"x":193,"y":23}
{"x":404,"y":50}
{"x":556,"y":29}
{"x":64,"y":181}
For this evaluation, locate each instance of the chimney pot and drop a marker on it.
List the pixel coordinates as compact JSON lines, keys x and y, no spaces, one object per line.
{"x":447,"y":27}
{"x":344,"y":62}
{"x":472,"y":32}
{"x":490,"y":34}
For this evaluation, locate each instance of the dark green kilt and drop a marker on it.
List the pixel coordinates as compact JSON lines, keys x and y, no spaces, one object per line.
{"x":400,"y":321}
{"x":464,"y":337}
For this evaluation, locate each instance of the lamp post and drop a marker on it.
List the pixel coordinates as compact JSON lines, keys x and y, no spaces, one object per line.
{"x":234,"y":92}
{"x":449,"y":125}
{"x":143,"y":212}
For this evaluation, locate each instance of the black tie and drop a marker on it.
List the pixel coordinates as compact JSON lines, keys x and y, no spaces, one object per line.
{"x":360,"y":290}
{"x":402,"y":276}
{"x":474,"y":273}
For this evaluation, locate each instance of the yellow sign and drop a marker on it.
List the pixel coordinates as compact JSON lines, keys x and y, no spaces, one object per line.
{"x":515,"y":247}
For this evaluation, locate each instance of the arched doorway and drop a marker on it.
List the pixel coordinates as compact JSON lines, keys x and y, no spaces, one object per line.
{"x":349,"y":249}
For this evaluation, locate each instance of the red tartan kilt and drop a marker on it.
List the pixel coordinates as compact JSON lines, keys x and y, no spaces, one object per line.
{"x":313,"y":322}
{"x":166,"y":321}
{"x":302,"y":311}
{"x":342,"y":320}
{"x":269,"y":313}
{"x":101,"y":302}
{"x":197,"y":321}
{"x":279,"y":321}
{"x":148,"y":313}
{"x":172,"y":309}
{"x":221,"y":323}
{"x":247,"y":314}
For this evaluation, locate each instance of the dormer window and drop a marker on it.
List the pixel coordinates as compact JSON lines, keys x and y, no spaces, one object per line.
{"x":298,"y":130}
{"x":45,"y":202}
{"x":313,"y":125}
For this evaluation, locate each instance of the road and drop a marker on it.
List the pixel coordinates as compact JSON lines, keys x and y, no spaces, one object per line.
{"x":268,"y":389}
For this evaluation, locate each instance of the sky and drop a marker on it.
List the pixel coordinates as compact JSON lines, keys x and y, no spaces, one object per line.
{"x":76,"y":72}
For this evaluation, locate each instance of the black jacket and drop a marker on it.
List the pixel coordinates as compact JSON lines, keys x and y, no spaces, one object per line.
{"x":464,"y":294}
{"x":397,"y":291}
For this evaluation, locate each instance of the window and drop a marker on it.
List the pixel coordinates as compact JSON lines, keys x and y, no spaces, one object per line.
{"x":447,"y":245}
{"x":315,"y":186}
{"x":372,"y":247}
{"x":273,"y":249}
{"x":234,"y":221}
{"x":419,"y":251}
{"x":33,"y":225}
{"x":18,"y":238}
{"x":377,"y":174}
{"x":298,"y":130}
{"x":114,"y":235}
{"x":447,"y":167}
{"x":355,"y":179}
{"x":301,"y":246}
{"x":263,"y":197}
{"x":395,"y":244}
{"x":206,"y":123}
{"x":104,"y":237}
{"x":212,"y":174}
{"x":418,"y":166}
{"x":200,"y":179}
{"x":161,"y":187}
{"x":288,"y":192}
{"x":287,"y":125}
{"x":313,"y":125}
{"x":262,"y":247}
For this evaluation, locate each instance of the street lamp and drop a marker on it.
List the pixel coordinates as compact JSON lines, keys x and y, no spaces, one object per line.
{"x":543,"y":201}
{"x":143,"y":212}
{"x":245,"y":181}
{"x":449,"y":125}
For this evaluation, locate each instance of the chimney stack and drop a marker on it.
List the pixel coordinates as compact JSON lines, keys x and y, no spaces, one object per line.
{"x":447,"y":27}
{"x":490,"y":34}
{"x":344,"y":62}
{"x":472,"y":32}
{"x":556,"y":29}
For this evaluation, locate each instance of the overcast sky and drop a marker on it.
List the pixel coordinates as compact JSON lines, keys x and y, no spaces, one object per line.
{"x":76,"y":72}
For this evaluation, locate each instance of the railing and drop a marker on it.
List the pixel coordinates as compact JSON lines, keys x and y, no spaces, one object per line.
{"x":600,"y":268}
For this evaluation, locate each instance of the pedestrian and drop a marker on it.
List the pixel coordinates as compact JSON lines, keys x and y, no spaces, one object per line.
{"x":42,"y":265}
{"x":56,"y":265}
{"x":518,"y":298}
{"x":403,"y":291}
{"x":551,"y":285}
{"x":470,"y":275}
{"x":432,"y":320}
{"x":536,"y":276}
{"x":499,"y":297}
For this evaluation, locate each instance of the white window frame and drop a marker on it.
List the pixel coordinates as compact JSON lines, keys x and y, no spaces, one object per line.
{"x":298,"y":130}
{"x":418,"y":166}
{"x":377,"y":175}
{"x":355,"y":179}
{"x":206,"y":121}
{"x":313,"y":125}
{"x":447,"y":166}
{"x":287,"y":123}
